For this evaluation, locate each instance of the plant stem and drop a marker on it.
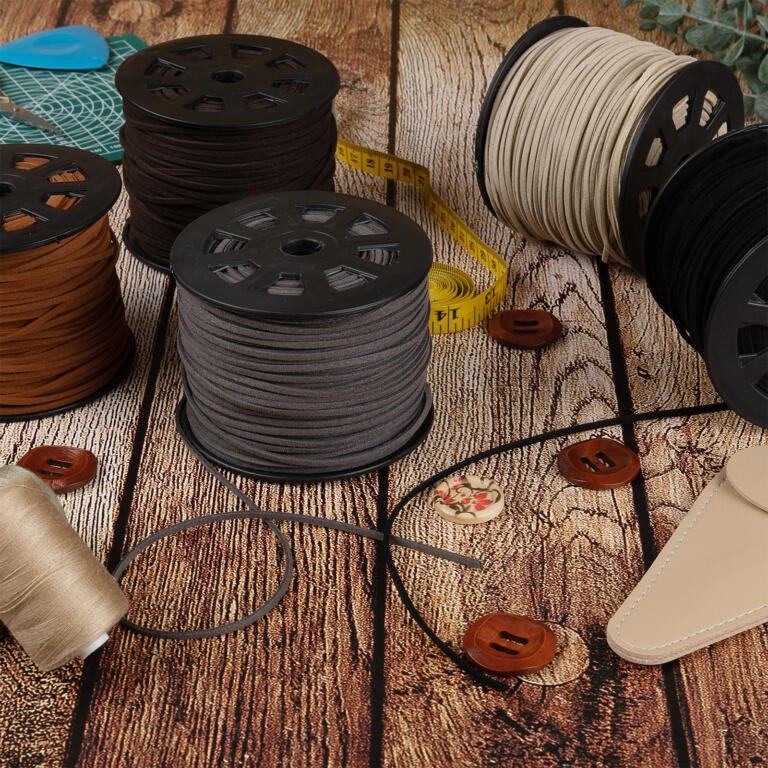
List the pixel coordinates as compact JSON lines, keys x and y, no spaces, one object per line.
{"x":735,"y":30}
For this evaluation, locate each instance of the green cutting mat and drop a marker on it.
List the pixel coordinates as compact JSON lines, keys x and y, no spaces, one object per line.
{"x":85,"y":105}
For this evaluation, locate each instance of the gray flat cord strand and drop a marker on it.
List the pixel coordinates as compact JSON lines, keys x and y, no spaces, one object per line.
{"x":225,"y":360}
{"x":254,"y":511}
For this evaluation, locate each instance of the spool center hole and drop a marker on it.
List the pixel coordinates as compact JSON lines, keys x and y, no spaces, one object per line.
{"x":302,"y":247}
{"x":228,"y":75}
{"x":5,"y":188}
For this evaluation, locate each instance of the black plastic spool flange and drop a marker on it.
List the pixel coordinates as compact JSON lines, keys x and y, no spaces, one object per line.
{"x":285,"y":241}
{"x":253,"y":81}
{"x":639,"y":182}
{"x":26,"y":191}
{"x":737,"y":303}
{"x":285,"y":79}
{"x":272,"y":475}
{"x":133,"y":246}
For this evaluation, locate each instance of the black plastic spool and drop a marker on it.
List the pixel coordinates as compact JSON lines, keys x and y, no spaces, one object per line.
{"x":736,"y":304}
{"x":238,"y":72}
{"x":284,"y":240}
{"x":26,"y":191}
{"x":640,"y":183}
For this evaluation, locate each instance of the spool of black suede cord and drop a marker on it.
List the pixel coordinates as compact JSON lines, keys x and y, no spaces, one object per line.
{"x":706,"y":263}
{"x":705,"y":231}
{"x":214,"y":118}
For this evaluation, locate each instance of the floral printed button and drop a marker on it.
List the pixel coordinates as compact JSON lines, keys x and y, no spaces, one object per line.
{"x":468,"y":499}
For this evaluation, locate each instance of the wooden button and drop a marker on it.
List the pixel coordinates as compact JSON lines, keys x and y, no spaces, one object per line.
{"x":468,"y":499}
{"x":598,"y":463}
{"x":64,"y":468}
{"x":506,"y":644}
{"x":525,"y":328}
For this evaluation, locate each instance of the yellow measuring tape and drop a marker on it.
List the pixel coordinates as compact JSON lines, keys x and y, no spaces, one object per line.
{"x":455,"y":303}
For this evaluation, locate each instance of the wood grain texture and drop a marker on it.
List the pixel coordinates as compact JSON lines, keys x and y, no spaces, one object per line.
{"x":154,"y":21}
{"x":36,"y":709}
{"x":293,"y":690}
{"x":725,"y":723}
{"x":558,"y":553}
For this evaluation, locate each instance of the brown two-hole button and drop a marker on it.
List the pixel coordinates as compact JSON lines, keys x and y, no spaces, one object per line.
{"x":64,"y":468}
{"x":598,"y":463}
{"x":525,"y":328}
{"x":508,"y":644}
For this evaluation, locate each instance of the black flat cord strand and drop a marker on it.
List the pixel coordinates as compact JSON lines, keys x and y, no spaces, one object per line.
{"x":479,"y":676}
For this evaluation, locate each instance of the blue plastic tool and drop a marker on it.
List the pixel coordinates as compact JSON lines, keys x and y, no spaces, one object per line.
{"x":73,"y":47}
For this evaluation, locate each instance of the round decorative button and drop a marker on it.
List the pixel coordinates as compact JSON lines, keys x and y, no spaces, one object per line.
{"x":507,"y":644}
{"x":570,"y":662}
{"x":468,"y":499}
{"x":525,"y":328}
{"x":598,"y":463}
{"x":62,"y":467}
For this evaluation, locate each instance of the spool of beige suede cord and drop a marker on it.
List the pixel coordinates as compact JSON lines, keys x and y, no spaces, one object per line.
{"x":581,"y":128}
{"x":57,"y":600}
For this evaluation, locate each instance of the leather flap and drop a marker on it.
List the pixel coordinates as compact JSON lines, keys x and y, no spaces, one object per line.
{"x":747,"y":473}
{"x":711,"y":579}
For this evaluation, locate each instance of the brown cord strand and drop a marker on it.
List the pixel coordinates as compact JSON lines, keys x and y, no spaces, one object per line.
{"x":174,"y":174}
{"x":63,"y":335}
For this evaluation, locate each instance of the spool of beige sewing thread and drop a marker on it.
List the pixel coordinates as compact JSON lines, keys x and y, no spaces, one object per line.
{"x":56,"y":598}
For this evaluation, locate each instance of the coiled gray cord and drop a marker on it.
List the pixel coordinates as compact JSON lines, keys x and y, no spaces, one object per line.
{"x":314,"y":396}
{"x":325,"y":395}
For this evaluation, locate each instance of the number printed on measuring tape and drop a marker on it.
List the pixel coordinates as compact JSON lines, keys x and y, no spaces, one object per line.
{"x":455,"y":303}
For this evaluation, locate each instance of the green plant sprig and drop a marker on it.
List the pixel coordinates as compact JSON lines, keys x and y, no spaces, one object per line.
{"x":732,"y":31}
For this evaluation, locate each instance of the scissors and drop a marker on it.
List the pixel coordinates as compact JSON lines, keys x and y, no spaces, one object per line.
{"x":16,"y":112}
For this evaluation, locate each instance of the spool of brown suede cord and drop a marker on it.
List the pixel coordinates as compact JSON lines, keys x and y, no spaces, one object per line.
{"x":212,"y":119}
{"x":174,"y":173}
{"x":63,"y":335}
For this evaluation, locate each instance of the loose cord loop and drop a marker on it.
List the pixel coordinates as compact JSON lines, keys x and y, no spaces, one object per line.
{"x":479,"y":676}
{"x":253,"y":511}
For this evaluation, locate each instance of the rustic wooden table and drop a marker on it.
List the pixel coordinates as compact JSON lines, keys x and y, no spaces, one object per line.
{"x":339,"y":674}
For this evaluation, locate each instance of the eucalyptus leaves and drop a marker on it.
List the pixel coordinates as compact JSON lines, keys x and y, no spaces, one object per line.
{"x":732,"y":31}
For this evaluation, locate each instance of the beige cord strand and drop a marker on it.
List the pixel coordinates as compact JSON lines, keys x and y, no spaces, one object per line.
{"x":560,"y":131}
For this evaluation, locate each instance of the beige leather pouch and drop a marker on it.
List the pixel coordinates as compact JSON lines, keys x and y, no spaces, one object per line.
{"x":711,"y":579}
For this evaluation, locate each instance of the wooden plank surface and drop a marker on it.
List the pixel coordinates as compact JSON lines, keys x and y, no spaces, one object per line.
{"x":725,"y":723}
{"x":294,"y":690}
{"x":36,"y":709}
{"x":552,"y":537}
{"x":306,"y":686}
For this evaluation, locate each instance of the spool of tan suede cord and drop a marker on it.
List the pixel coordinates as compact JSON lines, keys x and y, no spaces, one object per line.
{"x":56,"y":598}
